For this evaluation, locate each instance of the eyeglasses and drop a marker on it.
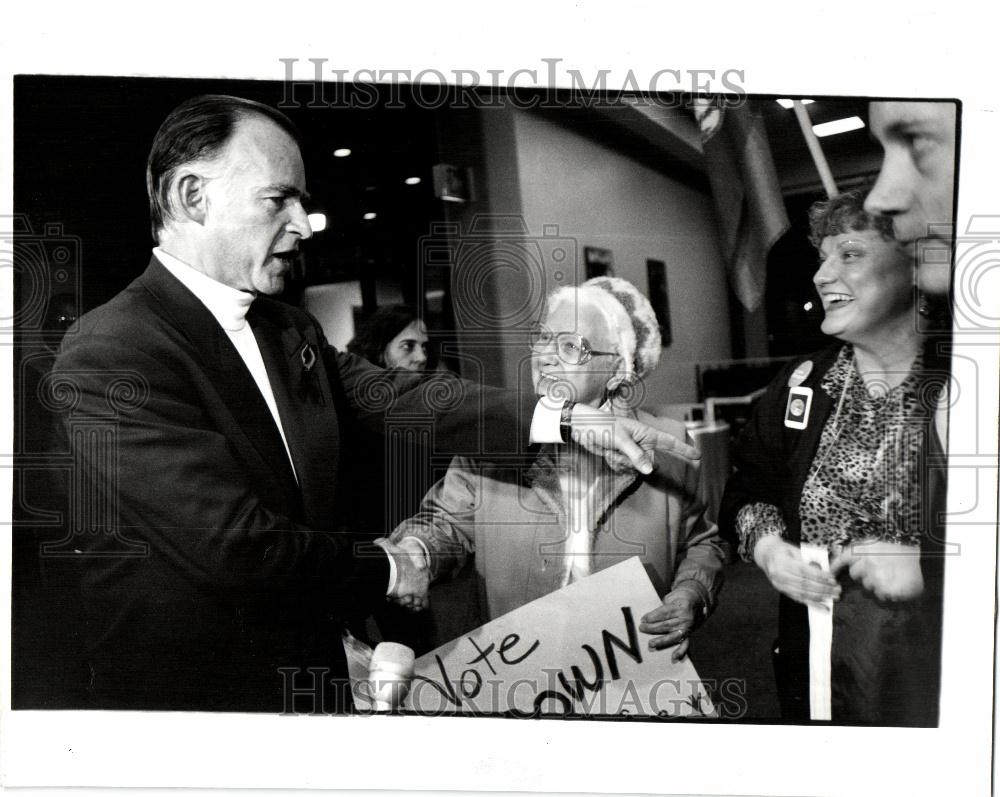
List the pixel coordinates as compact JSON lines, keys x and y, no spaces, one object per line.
{"x":572,"y":349}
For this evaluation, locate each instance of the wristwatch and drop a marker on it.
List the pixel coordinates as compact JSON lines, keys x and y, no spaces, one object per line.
{"x":565,"y":421}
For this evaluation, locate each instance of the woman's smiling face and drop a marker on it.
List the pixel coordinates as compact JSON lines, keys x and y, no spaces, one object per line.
{"x":587,"y":382}
{"x":865,"y":282}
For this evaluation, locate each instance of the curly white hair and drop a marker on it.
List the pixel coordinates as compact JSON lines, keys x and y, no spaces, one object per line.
{"x":630,"y":316}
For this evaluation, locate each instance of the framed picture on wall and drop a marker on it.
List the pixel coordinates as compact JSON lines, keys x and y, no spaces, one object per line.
{"x":659,"y":297}
{"x":598,"y":262}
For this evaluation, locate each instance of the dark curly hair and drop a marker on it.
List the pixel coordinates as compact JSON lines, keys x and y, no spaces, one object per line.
{"x":845,"y":213}
{"x":376,"y":332}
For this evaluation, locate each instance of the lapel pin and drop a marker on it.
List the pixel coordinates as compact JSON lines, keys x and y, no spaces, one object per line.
{"x":308,"y":355}
{"x":800,"y":374}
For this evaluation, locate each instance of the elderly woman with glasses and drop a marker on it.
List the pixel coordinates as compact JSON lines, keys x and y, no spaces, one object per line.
{"x":534,"y":530}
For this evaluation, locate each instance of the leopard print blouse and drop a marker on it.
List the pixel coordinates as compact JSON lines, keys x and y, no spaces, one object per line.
{"x":864,"y":481}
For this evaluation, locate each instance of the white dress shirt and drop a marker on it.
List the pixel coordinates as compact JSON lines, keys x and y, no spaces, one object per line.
{"x":230,"y":306}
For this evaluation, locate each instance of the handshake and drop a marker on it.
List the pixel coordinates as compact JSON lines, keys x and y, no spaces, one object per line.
{"x":413,"y":573}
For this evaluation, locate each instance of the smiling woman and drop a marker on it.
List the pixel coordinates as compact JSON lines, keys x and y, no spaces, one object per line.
{"x":864,"y":280}
{"x":569,"y":515}
{"x":829,"y":463}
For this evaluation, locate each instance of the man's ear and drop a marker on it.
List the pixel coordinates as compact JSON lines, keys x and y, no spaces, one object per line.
{"x":190,"y":200}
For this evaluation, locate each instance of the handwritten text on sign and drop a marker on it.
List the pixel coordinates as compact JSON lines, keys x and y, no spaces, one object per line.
{"x":577,"y":650}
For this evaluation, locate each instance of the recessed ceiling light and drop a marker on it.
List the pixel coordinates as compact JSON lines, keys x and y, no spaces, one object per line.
{"x":838,"y":126}
{"x":317,"y":222}
{"x":412,"y":181}
{"x":786,"y":104}
{"x":368,"y":216}
{"x":343,"y":152}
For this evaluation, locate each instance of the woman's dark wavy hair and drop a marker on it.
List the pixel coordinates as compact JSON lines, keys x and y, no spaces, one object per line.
{"x":196,"y":129}
{"x":379,"y":329}
{"x":845,"y":213}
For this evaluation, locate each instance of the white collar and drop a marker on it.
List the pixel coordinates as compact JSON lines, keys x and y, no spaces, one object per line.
{"x":228,"y":305}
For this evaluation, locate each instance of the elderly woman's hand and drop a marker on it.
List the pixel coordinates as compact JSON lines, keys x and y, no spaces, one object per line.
{"x":673,"y":620}
{"x":784,"y":567}
{"x":891,"y":570}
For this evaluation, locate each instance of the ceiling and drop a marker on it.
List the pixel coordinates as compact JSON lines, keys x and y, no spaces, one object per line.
{"x":852,"y":155}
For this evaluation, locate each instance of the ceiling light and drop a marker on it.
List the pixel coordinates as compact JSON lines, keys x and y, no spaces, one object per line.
{"x":412,"y":181}
{"x":786,"y":104}
{"x":317,"y":222}
{"x":343,"y":152}
{"x":368,"y":216}
{"x":838,"y":126}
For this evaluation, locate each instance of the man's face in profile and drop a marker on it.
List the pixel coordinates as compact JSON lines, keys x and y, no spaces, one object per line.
{"x":915,"y":186}
{"x":255,"y":218}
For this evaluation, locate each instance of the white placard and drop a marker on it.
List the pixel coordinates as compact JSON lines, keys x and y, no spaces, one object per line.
{"x":577,"y":650}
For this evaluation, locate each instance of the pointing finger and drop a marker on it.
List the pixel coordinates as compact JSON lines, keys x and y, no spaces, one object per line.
{"x":668,"y":444}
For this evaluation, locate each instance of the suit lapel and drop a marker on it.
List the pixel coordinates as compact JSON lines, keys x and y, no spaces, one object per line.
{"x":301,"y":390}
{"x":277,"y":347}
{"x":224,"y":367}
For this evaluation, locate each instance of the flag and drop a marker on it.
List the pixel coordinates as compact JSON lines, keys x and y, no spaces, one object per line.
{"x":751,"y":213}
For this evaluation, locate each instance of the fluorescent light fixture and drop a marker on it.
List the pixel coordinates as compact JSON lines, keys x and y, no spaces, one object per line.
{"x":838,"y":126}
{"x":368,"y":216}
{"x":343,"y":152}
{"x":317,"y":222}
{"x":786,"y":104}
{"x":412,"y":181}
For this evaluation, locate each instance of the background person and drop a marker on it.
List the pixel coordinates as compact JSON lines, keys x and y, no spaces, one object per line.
{"x":847,"y":474}
{"x":569,"y":515}
{"x":393,"y":337}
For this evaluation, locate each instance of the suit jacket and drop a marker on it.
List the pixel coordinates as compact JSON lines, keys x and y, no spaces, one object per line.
{"x":514,"y":520}
{"x":212,"y":579}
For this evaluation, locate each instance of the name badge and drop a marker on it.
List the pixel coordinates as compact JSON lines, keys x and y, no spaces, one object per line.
{"x":797,"y":409}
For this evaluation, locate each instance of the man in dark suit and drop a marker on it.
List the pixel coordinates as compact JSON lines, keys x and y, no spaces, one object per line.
{"x":208,"y":423}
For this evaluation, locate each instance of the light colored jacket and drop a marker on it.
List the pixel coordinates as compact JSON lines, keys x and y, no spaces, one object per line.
{"x":514,"y":519}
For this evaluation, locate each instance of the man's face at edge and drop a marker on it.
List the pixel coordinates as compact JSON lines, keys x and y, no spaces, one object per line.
{"x":915,"y":186}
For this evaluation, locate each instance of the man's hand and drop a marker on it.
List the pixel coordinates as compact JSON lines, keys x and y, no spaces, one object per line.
{"x":783,"y":565}
{"x":891,"y":570}
{"x":673,"y":620}
{"x":412,"y":574}
{"x":624,"y":442}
